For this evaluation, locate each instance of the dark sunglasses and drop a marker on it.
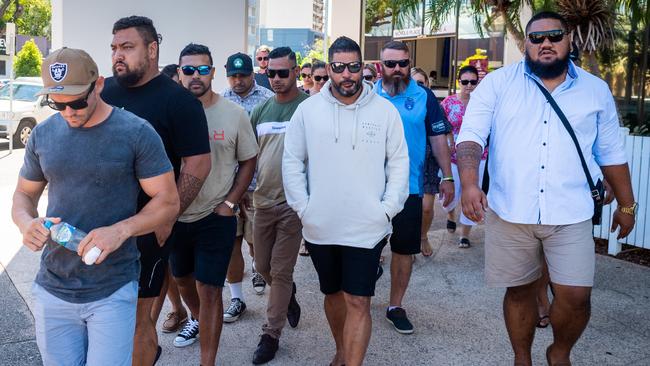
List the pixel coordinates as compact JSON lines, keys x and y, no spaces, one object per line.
{"x":203,"y":69}
{"x":553,"y":35}
{"x":305,"y":76}
{"x":368,"y":77}
{"x":75,"y":104}
{"x":353,"y":67}
{"x":392,"y":63}
{"x":465,"y":82}
{"x":263,"y":58}
{"x":318,"y":78}
{"x":282,"y":73}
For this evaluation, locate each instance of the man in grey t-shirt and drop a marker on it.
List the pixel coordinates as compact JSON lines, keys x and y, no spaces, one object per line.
{"x":94,"y":158}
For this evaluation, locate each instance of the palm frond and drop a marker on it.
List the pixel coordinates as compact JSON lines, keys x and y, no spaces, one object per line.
{"x":590,"y":21}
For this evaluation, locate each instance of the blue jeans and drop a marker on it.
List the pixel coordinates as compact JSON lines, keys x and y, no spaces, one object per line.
{"x":94,"y":333}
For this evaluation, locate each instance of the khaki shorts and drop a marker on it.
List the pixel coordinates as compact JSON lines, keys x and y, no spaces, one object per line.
{"x":514,"y":253}
{"x":245,"y":225}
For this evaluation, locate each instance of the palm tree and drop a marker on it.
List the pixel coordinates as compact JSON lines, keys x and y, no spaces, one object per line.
{"x":592,"y":25}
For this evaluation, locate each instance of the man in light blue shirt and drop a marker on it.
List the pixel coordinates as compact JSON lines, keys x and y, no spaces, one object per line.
{"x":423,"y":122}
{"x":540,"y":204}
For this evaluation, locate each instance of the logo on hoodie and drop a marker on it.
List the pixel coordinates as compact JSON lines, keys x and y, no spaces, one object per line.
{"x":370,"y":133}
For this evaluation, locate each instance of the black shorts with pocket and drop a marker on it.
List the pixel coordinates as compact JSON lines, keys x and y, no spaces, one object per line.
{"x":153,"y":264}
{"x":349,"y":269}
{"x":204,"y":248}
{"x":407,"y":226}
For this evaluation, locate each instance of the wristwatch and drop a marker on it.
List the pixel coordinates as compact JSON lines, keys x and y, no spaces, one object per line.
{"x":233,"y":206}
{"x":629,"y":210}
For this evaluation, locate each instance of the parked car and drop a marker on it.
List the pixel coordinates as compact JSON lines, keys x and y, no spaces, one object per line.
{"x":28,"y":109}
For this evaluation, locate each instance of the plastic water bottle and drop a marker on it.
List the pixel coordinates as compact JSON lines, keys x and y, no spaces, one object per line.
{"x":69,"y":237}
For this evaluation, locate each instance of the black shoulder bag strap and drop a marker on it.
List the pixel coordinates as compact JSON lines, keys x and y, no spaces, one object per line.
{"x":595,"y":194}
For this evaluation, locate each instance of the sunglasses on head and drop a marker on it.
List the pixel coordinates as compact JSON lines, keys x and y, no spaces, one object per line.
{"x":367,"y":77}
{"x":465,"y":82}
{"x":318,"y":78}
{"x":553,"y":35}
{"x":392,"y":63}
{"x":75,"y":104}
{"x":305,"y":76}
{"x":190,"y":70}
{"x":353,"y":67}
{"x":263,"y":58}
{"x":282,"y":73}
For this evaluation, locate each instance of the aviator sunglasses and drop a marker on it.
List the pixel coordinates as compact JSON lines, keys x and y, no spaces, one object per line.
{"x":553,"y":35}
{"x":263,"y":58}
{"x":339,"y":67}
{"x":318,"y":78}
{"x":75,"y":104}
{"x":203,"y":69}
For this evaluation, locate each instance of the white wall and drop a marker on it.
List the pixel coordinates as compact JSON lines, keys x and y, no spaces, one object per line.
{"x":286,"y":14}
{"x":345,"y":19}
{"x":87,"y":24}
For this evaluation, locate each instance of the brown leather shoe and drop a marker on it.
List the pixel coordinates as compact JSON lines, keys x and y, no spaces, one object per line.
{"x":174,"y":321}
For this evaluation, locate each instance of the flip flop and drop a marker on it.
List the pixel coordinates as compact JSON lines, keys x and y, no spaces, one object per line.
{"x":451,"y":226}
{"x":540,"y":322}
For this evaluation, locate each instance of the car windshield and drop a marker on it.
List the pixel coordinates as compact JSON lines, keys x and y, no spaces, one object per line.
{"x":22,"y":92}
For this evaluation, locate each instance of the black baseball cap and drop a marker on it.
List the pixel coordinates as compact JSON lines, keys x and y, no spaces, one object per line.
{"x":239,"y":63}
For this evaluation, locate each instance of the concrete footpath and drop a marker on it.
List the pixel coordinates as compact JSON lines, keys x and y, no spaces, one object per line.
{"x":458,"y":321}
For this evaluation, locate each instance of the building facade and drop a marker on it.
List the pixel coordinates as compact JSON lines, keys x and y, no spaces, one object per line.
{"x":293,"y":23}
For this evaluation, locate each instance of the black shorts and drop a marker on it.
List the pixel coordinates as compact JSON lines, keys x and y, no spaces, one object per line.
{"x":153,"y":264}
{"x":204,"y":248}
{"x":353,"y":270}
{"x":407,"y":226}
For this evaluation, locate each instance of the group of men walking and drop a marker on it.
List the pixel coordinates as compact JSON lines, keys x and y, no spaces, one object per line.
{"x":127,"y":160}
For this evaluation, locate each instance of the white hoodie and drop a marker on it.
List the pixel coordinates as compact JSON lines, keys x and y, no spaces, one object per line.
{"x":345,"y":168}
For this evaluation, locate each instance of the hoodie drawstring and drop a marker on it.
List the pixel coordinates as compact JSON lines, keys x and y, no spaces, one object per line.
{"x":336,"y":123}
{"x":356,"y":123}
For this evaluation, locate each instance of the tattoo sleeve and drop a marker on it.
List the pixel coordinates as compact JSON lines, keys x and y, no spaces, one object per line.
{"x":188,"y":188}
{"x":468,"y":156}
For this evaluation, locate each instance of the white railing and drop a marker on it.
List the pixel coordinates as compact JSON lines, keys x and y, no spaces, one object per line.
{"x":637,"y":150}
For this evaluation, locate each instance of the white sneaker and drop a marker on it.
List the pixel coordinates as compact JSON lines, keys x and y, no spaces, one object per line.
{"x":188,"y":335}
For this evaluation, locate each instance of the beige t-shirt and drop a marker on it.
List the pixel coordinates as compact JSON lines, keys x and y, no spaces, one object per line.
{"x":231,"y":140}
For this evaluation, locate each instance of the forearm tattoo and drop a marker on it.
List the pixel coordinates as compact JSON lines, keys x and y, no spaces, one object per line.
{"x":468,"y":155}
{"x":188,"y":188}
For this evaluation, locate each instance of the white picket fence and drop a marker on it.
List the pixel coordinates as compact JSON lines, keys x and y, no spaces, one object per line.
{"x":637,"y":149}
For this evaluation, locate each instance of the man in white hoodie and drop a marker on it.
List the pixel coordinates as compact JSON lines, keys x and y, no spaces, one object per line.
{"x":345,"y":171}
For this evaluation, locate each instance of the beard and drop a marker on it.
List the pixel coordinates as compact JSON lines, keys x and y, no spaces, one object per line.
{"x":548,"y":70}
{"x":198,"y":92}
{"x":130,"y":77}
{"x":347,"y":92}
{"x":395,"y":83}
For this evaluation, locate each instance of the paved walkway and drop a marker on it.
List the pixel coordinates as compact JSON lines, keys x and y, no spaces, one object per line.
{"x":458,"y":320}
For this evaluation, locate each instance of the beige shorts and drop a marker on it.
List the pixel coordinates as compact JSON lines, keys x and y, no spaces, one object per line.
{"x":514,"y":253}
{"x":245,"y":225}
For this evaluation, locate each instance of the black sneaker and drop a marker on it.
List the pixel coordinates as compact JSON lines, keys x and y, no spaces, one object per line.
{"x":464,"y":243}
{"x":258,"y":283}
{"x":266,"y":349}
{"x":398,"y":318}
{"x":293,"y":312}
{"x":234,"y":311}
{"x":188,"y":335}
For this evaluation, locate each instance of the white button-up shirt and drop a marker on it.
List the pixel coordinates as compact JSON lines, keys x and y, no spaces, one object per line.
{"x":535,"y":172}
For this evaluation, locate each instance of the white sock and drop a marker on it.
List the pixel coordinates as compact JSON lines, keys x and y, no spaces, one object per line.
{"x":392,"y":307}
{"x":235,"y":291}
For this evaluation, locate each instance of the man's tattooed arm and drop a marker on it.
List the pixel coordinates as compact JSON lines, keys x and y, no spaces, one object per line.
{"x":195,"y":170}
{"x":188,"y":188}
{"x":468,"y":156}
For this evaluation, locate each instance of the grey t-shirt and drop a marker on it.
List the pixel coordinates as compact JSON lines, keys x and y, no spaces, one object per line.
{"x":93,"y":182}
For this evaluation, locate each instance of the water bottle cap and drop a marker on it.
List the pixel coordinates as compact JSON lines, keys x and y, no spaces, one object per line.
{"x":48,"y":224}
